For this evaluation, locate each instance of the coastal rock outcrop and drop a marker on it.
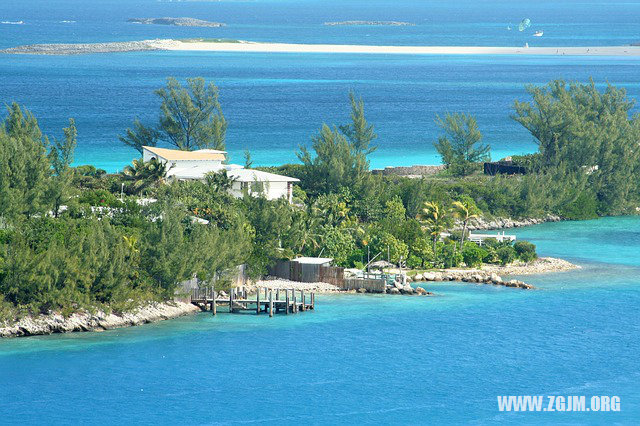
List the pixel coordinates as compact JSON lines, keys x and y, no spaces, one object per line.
{"x":84,"y":48}
{"x":178,"y":22}
{"x":474,"y":276}
{"x":505,"y":223}
{"x":98,"y":321}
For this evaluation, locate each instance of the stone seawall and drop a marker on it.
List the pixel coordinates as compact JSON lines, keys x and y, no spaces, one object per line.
{"x":408,"y":171}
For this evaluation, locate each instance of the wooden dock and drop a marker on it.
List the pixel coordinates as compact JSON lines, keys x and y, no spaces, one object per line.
{"x":268,"y":301}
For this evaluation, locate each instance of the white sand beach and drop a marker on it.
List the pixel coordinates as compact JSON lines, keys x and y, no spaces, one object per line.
{"x":249,"y":46}
{"x":246,"y":46}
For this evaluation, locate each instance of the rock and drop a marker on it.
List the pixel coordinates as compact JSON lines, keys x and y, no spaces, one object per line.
{"x":419,"y":277}
{"x":407,"y":289}
{"x":420,"y":291}
{"x":394,"y":290}
{"x":398,"y":285}
{"x":437,"y":276}
{"x":429,"y":276}
{"x":495,"y":278}
{"x":178,"y":22}
{"x":362,"y":290}
{"x":85,"y":321}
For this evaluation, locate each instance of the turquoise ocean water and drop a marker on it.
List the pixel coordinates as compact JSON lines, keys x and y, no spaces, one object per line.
{"x":276,"y":102}
{"x":365,"y":359}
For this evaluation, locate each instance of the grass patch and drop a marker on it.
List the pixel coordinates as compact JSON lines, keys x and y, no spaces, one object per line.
{"x":210,"y":40}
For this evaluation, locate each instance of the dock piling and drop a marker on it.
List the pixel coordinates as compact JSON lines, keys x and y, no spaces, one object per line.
{"x":286,"y":296}
{"x":270,"y":303}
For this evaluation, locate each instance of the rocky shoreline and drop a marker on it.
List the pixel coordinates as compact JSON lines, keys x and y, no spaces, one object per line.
{"x":178,"y":22}
{"x":489,"y":274}
{"x":86,"y":48}
{"x":482,"y":223}
{"x":98,"y":321}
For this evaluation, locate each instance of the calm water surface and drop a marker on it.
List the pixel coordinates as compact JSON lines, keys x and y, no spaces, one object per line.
{"x":276,"y":102}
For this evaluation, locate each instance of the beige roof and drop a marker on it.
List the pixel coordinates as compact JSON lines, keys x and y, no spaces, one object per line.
{"x":176,"y":154}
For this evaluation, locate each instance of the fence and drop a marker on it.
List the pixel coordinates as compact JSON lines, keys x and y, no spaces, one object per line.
{"x":307,"y":273}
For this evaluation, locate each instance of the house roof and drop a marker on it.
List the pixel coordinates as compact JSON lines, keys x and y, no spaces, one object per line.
{"x":177,"y":155}
{"x":313,"y":260}
{"x":251,"y":175}
{"x":193,"y":172}
{"x":234,"y":171}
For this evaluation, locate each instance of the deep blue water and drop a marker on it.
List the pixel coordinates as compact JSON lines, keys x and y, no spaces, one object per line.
{"x":365,"y":359}
{"x":276,"y":102}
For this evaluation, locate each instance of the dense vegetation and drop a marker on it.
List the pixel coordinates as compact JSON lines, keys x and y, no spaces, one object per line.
{"x":76,"y":237}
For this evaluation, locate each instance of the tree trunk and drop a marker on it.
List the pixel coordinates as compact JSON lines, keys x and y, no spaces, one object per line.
{"x":464,"y":231}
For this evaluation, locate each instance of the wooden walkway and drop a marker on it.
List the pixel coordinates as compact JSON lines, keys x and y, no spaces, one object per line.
{"x":268,"y":301}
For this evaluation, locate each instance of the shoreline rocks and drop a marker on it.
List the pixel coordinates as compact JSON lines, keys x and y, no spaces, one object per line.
{"x":178,"y":22}
{"x":471,"y":276}
{"x":541,"y":265}
{"x":493,"y":274}
{"x":98,"y":321}
{"x":506,"y":223}
{"x":86,"y":48}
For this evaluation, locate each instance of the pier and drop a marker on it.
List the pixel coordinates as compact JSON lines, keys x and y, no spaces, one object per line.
{"x":266,"y":300}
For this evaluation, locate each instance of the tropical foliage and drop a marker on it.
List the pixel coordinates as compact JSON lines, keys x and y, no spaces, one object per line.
{"x":76,"y":237}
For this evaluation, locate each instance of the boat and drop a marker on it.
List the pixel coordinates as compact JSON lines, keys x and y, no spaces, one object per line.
{"x":538,"y":34}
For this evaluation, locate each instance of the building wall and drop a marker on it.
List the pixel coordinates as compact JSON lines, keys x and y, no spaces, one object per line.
{"x":272,"y":190}
{"x":148,"y":155}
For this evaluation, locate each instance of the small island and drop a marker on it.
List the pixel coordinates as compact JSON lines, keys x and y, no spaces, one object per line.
{"x":369,"y":23}
{"x":178,"y":22}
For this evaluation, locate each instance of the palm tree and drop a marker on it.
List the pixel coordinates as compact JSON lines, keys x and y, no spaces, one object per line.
{"x":143,"y":175}
{"x":465,"y":210}
{"x":436,"y":219}
{"x":306,"y":224}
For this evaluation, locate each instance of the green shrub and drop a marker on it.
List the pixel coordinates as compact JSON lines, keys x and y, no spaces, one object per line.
{"x":491,"y":243}
{"x":472,"y":254}
{"x":99,"y":197}
{"x":525,"y":251}
{"x":506,"y":254}
{"x":451,"y":257}
{"x":584,"y":207}
{"x":414,"y":262}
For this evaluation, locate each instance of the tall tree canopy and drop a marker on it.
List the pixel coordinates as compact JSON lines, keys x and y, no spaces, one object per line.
{"x":340,"y":159}
{"x":582,"y":130}
{"x":190,"y":118}
{"x":460,"y":145}
{"x":359,"y":132}
{"x":24,"y":167}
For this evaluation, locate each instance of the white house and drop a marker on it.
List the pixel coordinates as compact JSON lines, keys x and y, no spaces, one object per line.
{"x":186,"y":165}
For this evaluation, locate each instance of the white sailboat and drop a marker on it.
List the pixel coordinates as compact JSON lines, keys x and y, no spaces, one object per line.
{"x":538,"y":33}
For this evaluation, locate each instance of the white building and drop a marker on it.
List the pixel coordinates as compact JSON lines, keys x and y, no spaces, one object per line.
{"x":187,"y":165}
